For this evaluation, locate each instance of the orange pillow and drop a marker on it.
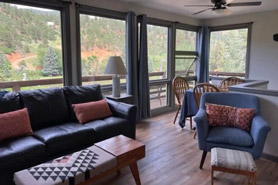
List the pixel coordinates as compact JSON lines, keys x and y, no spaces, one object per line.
{"x":222,"y":115}
{"x":91,"y":111}
{"x":15,"y":124}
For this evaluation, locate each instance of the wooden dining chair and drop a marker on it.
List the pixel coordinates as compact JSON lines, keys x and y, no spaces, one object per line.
{"x":180,"y":85}
{"x":231,"y":81}
{"x":197,"y":94}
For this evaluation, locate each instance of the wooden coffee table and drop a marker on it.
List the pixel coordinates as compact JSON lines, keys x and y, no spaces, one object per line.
{"x":127,"y":152}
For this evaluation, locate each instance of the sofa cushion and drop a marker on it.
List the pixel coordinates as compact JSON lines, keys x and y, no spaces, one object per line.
{"x":81,"y":94}
{"x":65,"y":138}
{"x":15,"y":124}
{"x":17,"y":154}
{"x":10,"y":102}
{"x":109,"y":127}
{"x":231,"y":136}
{"x":46,"y":107}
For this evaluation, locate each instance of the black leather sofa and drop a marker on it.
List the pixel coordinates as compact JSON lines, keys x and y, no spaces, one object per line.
{"x":56,"y":129}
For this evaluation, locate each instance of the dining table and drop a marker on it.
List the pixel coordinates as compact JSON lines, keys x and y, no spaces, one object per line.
{"x":188,"y":108}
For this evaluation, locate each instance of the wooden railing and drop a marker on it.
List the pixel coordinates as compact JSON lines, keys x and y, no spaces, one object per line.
{"x":17,"y":85}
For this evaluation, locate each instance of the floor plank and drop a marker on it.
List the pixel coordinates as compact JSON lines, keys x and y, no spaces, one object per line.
{"x":172,"y":158}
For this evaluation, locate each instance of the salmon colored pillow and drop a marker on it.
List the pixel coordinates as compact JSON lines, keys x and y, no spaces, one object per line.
{"x":89,"y":111}
{"x":217,"y":114}
{"x":244,"y":118}
{"x":222,"y":115}
{"x":15,"y":124}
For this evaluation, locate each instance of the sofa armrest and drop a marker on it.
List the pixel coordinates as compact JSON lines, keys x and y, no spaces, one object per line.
{"x":259,"y":131}
{"x":202,"y":128}
{"x":126,"y":111}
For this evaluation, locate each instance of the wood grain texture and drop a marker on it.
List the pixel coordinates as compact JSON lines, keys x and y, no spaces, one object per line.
{"x":173,"y":157}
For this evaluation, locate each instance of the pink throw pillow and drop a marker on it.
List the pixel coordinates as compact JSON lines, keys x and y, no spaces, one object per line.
{"x":15,"y":124}
{"x":222,"y":115}
{"x":217,"y":114}
{"x":91,"y":111}
{"x":244,"y":118}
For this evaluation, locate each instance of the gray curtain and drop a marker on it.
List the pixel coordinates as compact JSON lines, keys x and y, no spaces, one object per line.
{"x":142,"y":71}
{"x":131,"y":56}
{"x":203,"y":50}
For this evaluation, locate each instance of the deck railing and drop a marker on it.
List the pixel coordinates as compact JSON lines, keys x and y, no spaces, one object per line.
{"x":17,"y":85}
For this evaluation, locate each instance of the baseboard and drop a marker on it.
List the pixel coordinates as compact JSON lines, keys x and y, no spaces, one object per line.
{"x":270,"y":157}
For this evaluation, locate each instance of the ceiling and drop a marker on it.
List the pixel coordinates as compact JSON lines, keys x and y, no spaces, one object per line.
{"x":177,"y":7}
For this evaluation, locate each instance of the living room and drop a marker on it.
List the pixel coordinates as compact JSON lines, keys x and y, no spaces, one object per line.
{"x":138,"y":92}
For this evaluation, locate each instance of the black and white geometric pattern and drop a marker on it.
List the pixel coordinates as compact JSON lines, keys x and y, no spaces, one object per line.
{"x":70,"y":169}
{"x":84,"y":162}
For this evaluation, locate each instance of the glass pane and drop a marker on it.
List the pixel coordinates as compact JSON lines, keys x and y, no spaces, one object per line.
{"x":185,"y":67}
{"x":100,"y":38}
{"x":158,"y":96}
{"x":30,"y":45}
{"x":228,"y":51}
{"x":185,"y":40}
{"x":157,"y":51}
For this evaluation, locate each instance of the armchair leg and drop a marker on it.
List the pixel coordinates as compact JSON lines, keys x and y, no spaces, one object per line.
{"x":195,"y":134}
{"x":203,"y":159}
{"x":179,"y":107}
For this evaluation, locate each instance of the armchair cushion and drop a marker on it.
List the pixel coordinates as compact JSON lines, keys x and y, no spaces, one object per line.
{"x":230,"y":136}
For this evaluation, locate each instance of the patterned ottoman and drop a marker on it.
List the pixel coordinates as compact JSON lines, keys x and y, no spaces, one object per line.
{"x":68,"y":170}
{"x":233,"y":161}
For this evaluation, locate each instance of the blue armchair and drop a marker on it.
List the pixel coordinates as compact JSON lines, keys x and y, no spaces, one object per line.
{"x":227,"y":137}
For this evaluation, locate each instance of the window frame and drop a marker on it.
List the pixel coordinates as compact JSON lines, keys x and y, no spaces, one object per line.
{"x":64,"y":8}
{"x":247,"y":26}
{"x":94,"y":11}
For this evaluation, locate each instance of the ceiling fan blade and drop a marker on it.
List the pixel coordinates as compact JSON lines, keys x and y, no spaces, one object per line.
{"x":202,"y":11}
{"x":198,"y":6}
{"x":245,"y":4}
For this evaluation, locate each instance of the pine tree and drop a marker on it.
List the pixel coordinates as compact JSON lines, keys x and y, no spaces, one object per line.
{"x":50,"y":63}
{"x":5,"y":67}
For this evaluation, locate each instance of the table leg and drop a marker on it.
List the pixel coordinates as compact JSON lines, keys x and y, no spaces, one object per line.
{"x":134,"y":170}
{"x":212,"y":177}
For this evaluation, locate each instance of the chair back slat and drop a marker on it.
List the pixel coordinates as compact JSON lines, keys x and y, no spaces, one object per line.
{"x":179,"y":85}
{"x":200,"y":89}
{"x":231,"y":81}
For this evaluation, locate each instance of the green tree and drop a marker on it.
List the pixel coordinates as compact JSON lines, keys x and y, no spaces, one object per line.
{"x":5,"y":67}
{"x":50,"y":64}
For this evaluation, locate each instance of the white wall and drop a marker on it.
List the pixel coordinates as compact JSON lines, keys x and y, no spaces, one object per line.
{"x":123,"y":7}
{"x":264,"y":51}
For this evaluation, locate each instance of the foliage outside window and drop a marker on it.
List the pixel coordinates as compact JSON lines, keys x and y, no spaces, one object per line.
{"x":228,"y":51}
{"x":157,"y":51}
{"x":100,"y":38}
{"x":30,"y":44}
{"x":185,"y":40}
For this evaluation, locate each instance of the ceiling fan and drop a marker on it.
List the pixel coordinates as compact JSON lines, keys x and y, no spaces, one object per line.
{"x":221,"y":6}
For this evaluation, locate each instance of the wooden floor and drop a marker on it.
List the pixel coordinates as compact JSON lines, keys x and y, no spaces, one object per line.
{"x":172,"y":158}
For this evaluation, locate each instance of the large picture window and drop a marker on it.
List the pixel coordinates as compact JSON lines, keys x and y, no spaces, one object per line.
{"x":30,"y":47}
{"x":228,"y":52}
{"x":101,"y":38}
